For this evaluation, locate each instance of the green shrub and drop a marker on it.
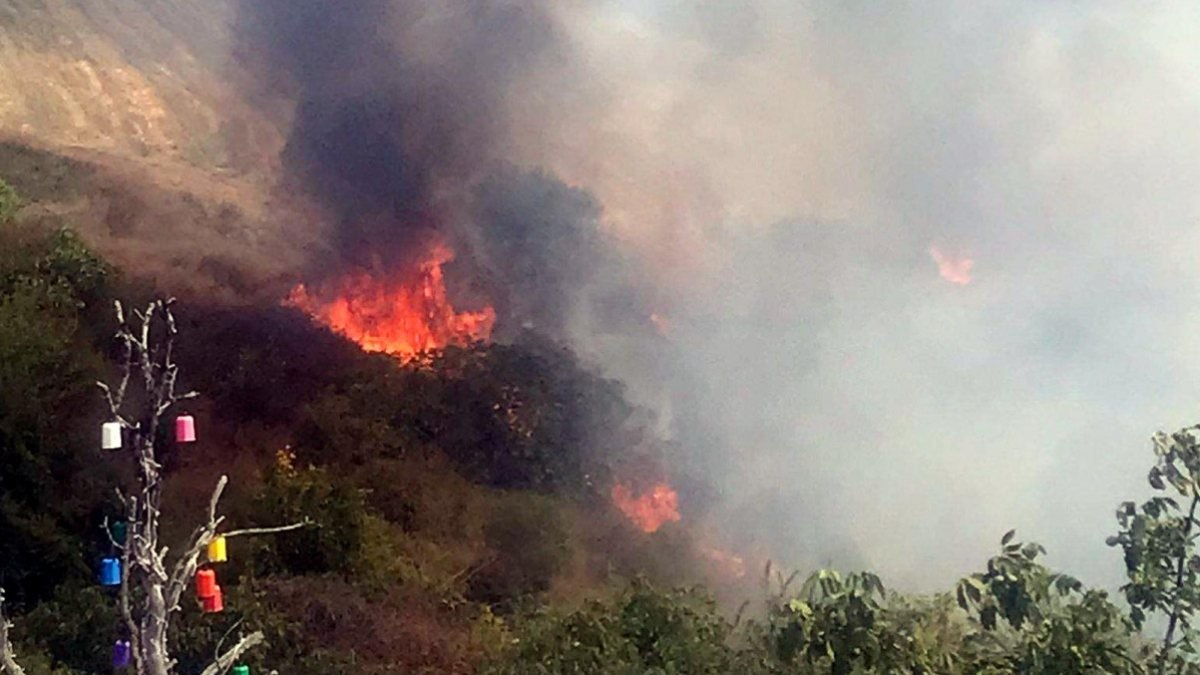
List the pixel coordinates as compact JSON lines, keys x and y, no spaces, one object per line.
{"x":263,"y":365}
{"x":1031,"y":620}
{"x":337,"y":513}
{"x":525,"y":415}
{"x":641,"y":631}
{"x":10,"y":202}
{"x":77,"y":626}
{"x":50,"y":482}
{"x":527,"y":546}
{"x":58,"y":266}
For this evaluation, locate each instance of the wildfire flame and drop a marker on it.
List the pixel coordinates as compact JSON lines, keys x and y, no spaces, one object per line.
{"x":954,"y":270}
{"x":650,"y":510}
{"x":402,"y":316}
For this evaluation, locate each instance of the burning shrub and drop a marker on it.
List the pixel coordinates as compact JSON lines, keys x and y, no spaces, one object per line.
{"x":403,"y":316}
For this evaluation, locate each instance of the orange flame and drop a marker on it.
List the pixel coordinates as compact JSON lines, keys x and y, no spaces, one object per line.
{"x":402,"y":316}
{"x":650,"y":510}
{"x":954,"y":270}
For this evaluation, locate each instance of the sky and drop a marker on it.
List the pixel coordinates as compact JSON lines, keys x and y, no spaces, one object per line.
{"x":930,"y":268}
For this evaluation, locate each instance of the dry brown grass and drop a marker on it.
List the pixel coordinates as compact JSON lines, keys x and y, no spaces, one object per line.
{"x":125,"y":119}
{"x":142,"y":78}
{"x":205,"y":236}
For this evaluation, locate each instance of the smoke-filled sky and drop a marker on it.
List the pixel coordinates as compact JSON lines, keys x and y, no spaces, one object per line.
{"x":784,"y":171}
{"x":791,"y":164}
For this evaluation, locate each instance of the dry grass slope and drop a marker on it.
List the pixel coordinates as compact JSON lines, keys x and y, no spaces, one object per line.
{"x":200,"y":235}
{"x":124,"y":119}
{"x":140,"y":77}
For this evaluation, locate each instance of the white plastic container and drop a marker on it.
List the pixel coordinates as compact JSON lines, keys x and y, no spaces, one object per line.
{"x":110,"y":436}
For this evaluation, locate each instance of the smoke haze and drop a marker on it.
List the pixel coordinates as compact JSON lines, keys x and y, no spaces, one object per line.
{"x":772,"y":176}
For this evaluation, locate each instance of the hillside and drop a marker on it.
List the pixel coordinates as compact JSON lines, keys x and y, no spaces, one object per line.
{"x":135,"y":78}
{"x":392,"y":326}
{"x":455,"y":518}
{"x":123,"y":119}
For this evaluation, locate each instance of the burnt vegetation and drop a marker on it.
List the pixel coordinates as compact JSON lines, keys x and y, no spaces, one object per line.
{"x":460,"y":517}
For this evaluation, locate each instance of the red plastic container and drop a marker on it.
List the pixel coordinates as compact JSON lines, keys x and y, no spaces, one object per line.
{"x":214,"y":603}
{"x":185,"y":429}
{"x":206,"y":584}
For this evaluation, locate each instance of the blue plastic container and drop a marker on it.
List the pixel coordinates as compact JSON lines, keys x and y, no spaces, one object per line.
{"x":110,"y":572}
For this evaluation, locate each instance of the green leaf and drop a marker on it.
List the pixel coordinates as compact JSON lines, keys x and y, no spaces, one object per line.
{"x":1008,"y":536}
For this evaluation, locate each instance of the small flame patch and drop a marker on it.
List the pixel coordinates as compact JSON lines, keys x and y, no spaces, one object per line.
{"x":955,"y":270}
{"x":651,"y":509}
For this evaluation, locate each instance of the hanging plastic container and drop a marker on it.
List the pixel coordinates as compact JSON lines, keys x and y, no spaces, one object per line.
{"x":214,"y":603}
{"x":217,"y":551}
{"x":110,"y":572}
{"x":206,"y":584}
{"x":122,"y":654}
{"x":185,"y":429}
{"x":241,"y":669}
{"x":118,"y":530}
{"x":110,"y":436}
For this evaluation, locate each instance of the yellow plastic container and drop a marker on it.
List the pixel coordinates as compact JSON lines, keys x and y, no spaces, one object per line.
{"x":217,"y":552}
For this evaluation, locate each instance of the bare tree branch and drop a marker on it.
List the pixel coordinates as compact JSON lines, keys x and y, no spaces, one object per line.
{"x":149,"y":347}
{"x":216,"y":497}
{"x":256,"y":531}
{"x":131,"y":627}
{"x":187,"y":564}
{"x":111,"y":539}
{"x":225,"y":661}
{"x":8,"y":659}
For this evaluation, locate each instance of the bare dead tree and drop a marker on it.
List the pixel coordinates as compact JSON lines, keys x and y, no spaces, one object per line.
{"x":152,"y":585}
{"x":8,"y":659}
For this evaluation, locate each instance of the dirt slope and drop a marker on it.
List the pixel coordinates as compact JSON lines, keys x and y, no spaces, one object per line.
{"x":124,"y":119}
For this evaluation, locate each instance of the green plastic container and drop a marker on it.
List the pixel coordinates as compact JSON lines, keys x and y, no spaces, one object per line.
{"x":119,"y":530}
{"x":241,"y":670}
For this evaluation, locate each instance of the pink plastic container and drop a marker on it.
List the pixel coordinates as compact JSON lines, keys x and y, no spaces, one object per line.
{"x":185,"y":429}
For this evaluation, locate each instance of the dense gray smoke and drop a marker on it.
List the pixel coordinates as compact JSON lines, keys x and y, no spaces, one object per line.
{"x":875,"y":409}
{"x":922,"y":270}
{"x":394,"y":101}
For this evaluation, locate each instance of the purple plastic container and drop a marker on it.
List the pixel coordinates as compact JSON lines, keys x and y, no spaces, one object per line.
{"x":122,"y":653}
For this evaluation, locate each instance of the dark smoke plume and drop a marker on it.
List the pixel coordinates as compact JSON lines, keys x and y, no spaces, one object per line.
{"x":400,"y":129}
{"x":395,"y":101}
{"x":541,"y":239}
